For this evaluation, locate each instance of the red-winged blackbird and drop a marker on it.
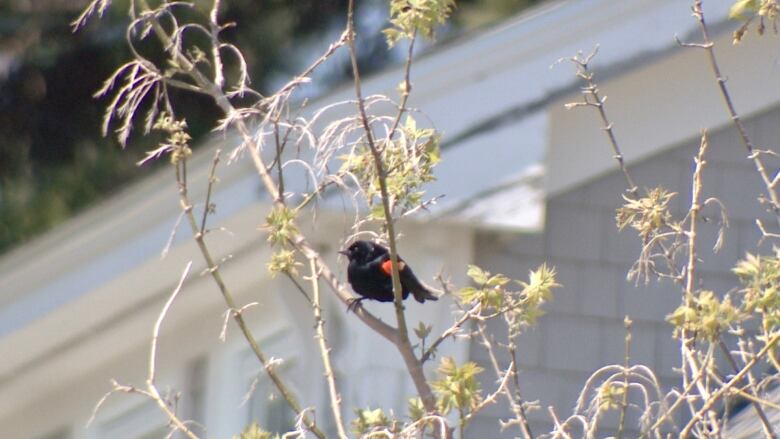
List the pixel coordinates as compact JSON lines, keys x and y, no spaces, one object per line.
{"x":370,"y":274}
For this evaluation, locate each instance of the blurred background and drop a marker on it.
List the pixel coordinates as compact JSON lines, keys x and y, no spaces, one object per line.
{"x":53,"y":159}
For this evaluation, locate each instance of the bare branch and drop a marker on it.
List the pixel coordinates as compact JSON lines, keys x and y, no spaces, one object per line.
{"x":150,"y":381}
{"x":591,"y":90}
{"x":335,"y":398}
{"x":708,"y":45}
{"x":158,"y":322}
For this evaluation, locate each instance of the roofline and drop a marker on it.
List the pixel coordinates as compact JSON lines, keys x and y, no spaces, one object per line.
{"x":94,"y":214}
{"x":150,"y":204}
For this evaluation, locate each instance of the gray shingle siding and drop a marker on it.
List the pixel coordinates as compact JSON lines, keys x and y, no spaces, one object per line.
{"x":583,"y":327}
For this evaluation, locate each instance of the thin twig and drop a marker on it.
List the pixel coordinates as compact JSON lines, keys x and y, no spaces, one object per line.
{"x":515,"y":404}
{"x":214,"y":29}
{"x":686,"y":345}
{"x":150,"y":380}
{"x":207,"y":208}
{"x":158,"y":322}
{"x":491,"y":398}
{"x":592,"y":90}
{"x":693,"y":218}
{"x":335,"y":398}
{"x":558,"y":427}
{"x":407,"y":88}
{"x":683,"y":397}
{"x":519,"y":409}
{"x":279,"y":152}
{"x":298,"y":286}
{"x":708,"y":46}
{"x":451,"y":331}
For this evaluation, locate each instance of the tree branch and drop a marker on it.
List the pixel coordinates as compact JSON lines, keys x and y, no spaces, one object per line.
{"x":592,"y":90}
{"x":213,"y":269}
{"x":708,"y":46}
{"x":404,"y":346}
{"x":335,"y":398}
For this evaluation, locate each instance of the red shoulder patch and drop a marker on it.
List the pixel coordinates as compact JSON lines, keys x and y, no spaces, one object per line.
{"x":387,"y":266}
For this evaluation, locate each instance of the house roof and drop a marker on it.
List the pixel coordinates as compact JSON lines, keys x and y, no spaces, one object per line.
{"x":488,"y":92}
{"x":744,"y":423}
{"x":517,"y":204}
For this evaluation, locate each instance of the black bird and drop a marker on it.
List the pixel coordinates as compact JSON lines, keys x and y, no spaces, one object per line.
{"x":370,"y":274}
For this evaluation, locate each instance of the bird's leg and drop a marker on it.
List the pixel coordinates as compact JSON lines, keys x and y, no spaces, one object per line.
{"x":354,"y":302}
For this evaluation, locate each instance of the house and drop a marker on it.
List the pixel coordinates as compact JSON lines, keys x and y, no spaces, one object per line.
{"x":526,"y":181}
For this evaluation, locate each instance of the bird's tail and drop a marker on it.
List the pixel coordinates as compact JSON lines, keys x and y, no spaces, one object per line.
{"x":424,"y":293}
{"x":419,"y":290}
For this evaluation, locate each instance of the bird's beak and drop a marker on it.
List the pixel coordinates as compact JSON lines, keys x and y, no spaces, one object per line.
{"x":344,"y":252}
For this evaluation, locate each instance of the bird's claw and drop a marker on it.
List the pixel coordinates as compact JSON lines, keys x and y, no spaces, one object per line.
{"x":353,"y":303}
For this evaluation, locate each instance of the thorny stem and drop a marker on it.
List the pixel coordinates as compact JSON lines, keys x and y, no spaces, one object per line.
{"x":407,"y":88}
{"x":753,"y":154}
{"x":279,"y":151}
{"x":213,"y":269}
{"x":591,"y":89}
{"x":335,"y":398}
{"x":519,"y":407}
{"x":212,"y":180}
{"x":688,"y":357}
{"x":404,"y":346}
{"x":693,"y":216}
{"x":214,"y":29}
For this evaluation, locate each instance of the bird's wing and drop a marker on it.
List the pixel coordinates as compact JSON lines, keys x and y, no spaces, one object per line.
{"x":387,"y":265}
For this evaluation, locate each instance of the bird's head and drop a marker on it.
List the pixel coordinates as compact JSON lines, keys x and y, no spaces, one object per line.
{"x":361,"y":250}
